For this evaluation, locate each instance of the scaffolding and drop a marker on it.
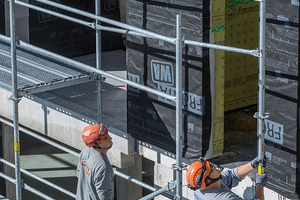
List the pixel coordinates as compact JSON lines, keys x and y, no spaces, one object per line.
{"x":66,"y":72}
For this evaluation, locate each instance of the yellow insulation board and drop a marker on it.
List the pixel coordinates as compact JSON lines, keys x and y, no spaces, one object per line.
{"x":241,"y":71}
{"x":218,"y":31}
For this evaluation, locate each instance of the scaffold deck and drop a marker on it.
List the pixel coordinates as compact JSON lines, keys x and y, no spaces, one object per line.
{"x":38,"y":68}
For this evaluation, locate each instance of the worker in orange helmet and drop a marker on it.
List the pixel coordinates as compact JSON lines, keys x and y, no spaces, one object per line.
{"x":211,"y":183}
{"x":94,"y":171}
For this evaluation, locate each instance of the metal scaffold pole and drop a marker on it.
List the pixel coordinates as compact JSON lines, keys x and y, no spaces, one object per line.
{"x":15,"y":100}
{"x":178,"y":108}
{"x":98,"y":62}
{"x":261,"y":115}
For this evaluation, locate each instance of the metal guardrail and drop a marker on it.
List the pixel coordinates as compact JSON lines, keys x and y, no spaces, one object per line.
{"x":63,"y":148}
{"x":40,"y":179}
{"x":178,"y":41}
{"x":25,"y":186}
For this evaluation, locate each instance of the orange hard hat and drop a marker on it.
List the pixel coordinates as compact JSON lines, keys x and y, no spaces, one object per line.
{"x":93,"y":135}
{"x":197,"y":173}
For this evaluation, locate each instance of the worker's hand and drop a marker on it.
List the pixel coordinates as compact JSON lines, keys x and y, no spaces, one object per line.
{"x":254,"y":163}
{"x":261,"y":179}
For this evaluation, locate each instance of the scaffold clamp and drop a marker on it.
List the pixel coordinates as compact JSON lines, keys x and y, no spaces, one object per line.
{"x":95,"y":26}
{"x":22,"y":184}
{"x":265,"y":116}
{"x":44,"y":108}
{"x":102,"y":79}
{"x":18,"y":99}
{"x":17,"y":41}
{"x":171,"y":185}
{"x":176,"y":197}
{"x":258,"y":53}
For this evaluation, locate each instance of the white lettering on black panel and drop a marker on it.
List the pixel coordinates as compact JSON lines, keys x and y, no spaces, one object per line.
{"x":162,"y":72}
{"x":295,"y":2}
{"x":268,"y":155}
{"x":190,"y":102}
{"x":133,"y":78}
{"x":274,"y":132}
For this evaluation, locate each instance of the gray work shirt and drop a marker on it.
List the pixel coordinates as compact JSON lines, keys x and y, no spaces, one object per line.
{"x":230,"y":179}
{"x":95,"y":176}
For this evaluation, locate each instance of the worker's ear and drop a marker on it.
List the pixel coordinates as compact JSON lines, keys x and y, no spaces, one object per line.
{"x":207,"y":181}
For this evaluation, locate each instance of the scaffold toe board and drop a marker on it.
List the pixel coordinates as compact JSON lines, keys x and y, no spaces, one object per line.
{"x":38,"y":70}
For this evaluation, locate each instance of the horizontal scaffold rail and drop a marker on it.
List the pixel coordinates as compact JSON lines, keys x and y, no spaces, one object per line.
{"x":39,"y":179}
{"x":131,"y":30}
{"x":26,"y":187}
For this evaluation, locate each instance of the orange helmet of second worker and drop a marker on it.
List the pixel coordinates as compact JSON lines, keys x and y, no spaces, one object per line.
{"x":93,"y":135}
{"x":197,"y":173}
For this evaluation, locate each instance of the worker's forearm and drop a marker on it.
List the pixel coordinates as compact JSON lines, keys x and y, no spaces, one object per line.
{"x":259,"y":192}
{"x":244,"y":170}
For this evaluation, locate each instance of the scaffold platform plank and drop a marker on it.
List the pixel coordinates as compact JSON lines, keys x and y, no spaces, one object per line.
{"x":38,"y":70}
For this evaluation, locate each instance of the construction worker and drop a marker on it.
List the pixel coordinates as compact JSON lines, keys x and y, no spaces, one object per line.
{"x":211,"y":183}
{"x":94,"y":171}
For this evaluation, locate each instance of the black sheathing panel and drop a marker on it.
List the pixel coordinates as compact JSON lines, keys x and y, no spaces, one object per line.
{"x":152,"y":62}
{"x":282,"y":97}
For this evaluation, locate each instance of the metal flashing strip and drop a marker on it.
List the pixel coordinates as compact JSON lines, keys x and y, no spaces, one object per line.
{"x":158,"y":150}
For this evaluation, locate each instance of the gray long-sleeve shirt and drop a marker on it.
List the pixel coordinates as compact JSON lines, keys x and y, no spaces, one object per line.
{"x":95,"y":176}
{"x":230,"y":179}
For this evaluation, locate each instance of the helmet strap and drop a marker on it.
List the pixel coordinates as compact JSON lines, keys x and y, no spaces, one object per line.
{"x":202,"y":173}
{"x":213,"y":180}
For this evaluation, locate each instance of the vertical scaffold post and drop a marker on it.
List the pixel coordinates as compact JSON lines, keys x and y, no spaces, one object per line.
{"x":178,"y":107}
{"x":15,"y":99}
{"x":261,"y":85}
{"x":98,"y":62}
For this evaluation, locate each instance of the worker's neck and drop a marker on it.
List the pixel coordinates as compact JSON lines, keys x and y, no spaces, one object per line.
{"x":101,"y":151}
